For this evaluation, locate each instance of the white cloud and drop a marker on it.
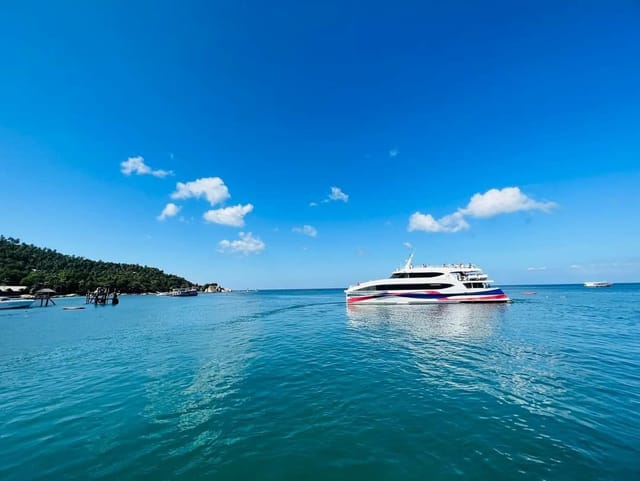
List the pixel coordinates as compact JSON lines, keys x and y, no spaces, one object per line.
{"x":407,"y":245}
{"x":306,"y":230}
{"x":492,"y":202}
{"x":246,"y":244}
{"x":503,"y":201}
{"x":169,"y":210}
{"x":575,"y":266}
{"x":337,"y":194}
{"x":393,"y":153}
{"x":449,"y":223}
{"x":211,"y":188}
{"x":233,"y":216}
{"x":136,"y":165}
{"x":544,"y":268}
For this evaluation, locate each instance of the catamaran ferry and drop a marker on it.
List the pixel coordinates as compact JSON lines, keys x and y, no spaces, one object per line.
{"x":428,"y":284}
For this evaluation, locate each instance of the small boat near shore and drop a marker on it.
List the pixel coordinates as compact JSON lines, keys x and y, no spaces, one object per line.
{"x":448,"y":283}
{"x":598,"y":284}
{"x":184,"y":292}
{"x":14,"y":303}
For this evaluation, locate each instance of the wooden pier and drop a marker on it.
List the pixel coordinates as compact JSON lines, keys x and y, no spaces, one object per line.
{"x":102,"y":296}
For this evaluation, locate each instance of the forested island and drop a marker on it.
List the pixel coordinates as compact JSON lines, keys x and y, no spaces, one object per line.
{"x":24,"y":264}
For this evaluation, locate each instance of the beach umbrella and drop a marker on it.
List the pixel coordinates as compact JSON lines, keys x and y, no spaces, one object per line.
{"x":45,"y":296}
{"x":46,"y":291}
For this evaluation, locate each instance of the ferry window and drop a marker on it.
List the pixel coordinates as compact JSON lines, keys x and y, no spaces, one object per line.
{"x":405,"y":275}
{"x":411,"y":287}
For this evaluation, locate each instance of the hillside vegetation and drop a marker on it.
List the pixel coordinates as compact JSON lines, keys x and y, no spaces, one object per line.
{"x":37,"y":267}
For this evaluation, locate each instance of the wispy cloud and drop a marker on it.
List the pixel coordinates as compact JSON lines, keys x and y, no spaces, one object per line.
{"x":233,"y":216}
{"x":623,"y":264}
{"x":407,"y":245}
{"x":170,"y":210}
{"x":393,"y":153}
{"x":543,"y":268}
{"x":211,"y":188}
{"x":493,"y":202}
{"x":246,"y":244}
{"x":335,"y":194}
{"x":306,"y":230}
{"x":136,"y":165}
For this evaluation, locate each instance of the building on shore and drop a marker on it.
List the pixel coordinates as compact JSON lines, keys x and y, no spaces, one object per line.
{"x":13,"y":290}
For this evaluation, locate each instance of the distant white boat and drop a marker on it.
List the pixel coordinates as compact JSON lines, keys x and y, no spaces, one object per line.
{"x":598,"y":284}
{"x":14,"y":303}
{"x":184,"y":292}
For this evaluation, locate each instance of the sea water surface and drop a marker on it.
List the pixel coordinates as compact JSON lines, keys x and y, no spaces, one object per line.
{"x":295,"y":385}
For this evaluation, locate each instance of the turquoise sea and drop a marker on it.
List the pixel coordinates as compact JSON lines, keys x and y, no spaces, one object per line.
{"x":294,"y":385}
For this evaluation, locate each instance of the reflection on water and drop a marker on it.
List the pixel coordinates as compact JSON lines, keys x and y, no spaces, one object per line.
{"x":461,"y":347}
{"x":450,"y":321}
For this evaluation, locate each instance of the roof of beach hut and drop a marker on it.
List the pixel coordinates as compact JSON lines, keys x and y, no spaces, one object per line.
{"x":46,"y":290}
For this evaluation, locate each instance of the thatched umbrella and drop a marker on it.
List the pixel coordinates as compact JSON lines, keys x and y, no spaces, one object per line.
{"x":46,"y":291}
{"x":45,"y":296}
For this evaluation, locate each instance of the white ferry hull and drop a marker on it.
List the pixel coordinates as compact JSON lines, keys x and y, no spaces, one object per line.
{"x":427,"y":297}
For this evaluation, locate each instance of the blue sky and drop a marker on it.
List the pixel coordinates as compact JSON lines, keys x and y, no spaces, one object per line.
{"x":296,"y":145}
